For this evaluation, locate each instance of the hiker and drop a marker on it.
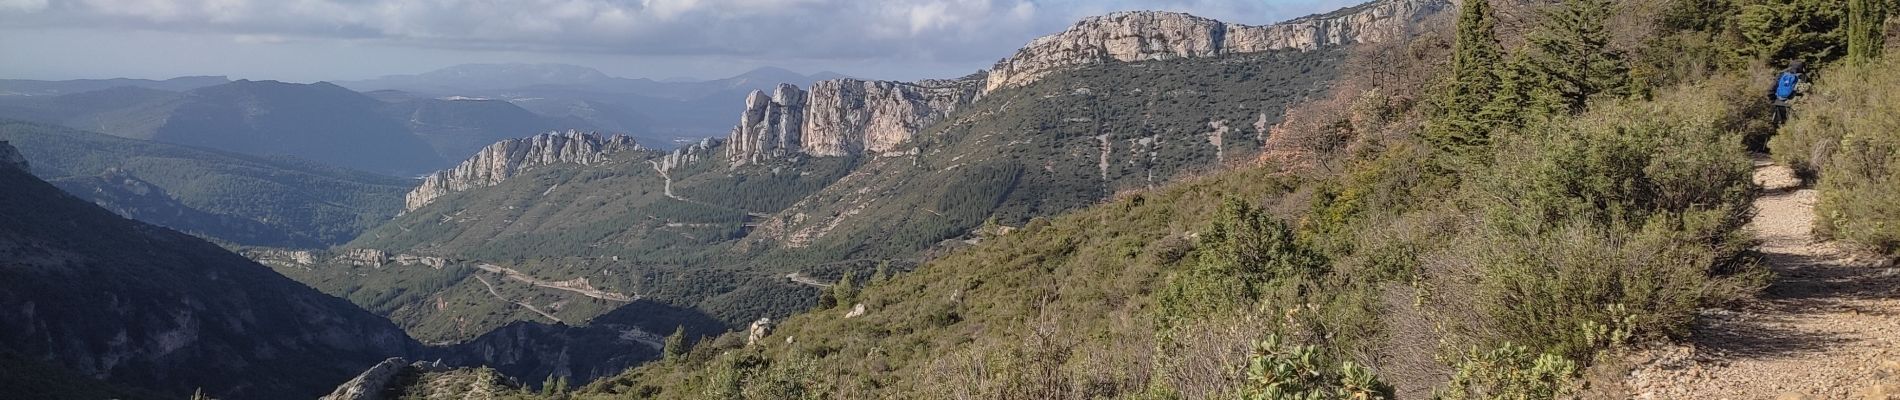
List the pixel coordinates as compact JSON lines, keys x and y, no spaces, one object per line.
{"x":1785,"y":90}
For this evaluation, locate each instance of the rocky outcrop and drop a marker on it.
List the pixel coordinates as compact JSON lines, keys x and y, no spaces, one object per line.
{"x":849,"y":116}
{"x":842,"y":117}
{"x":684,"y":155}
{"x":1146,"y":35}
{"x":363,"y":257}
{"x":758,"y":330}
{"x":354,"y":257}
{"x":508,"y":158}
{"x":373,"y":383}
{"x":369,"y":385}
{"x":10,"y":157}
{"x":770,"y":125}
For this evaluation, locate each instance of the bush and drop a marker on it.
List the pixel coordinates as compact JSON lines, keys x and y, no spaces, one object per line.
{"x":1845,"y":134}
{"x":1638,"y":204}
{"x":1282,"y":371}
{"x":1244,"y":255}
{"x":1510,"y":372}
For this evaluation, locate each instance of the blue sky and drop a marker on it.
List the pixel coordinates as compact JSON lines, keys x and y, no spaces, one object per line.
{"x":310,"y":40}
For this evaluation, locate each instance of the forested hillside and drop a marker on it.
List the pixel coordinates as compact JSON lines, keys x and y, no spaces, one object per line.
{"x":94,"y":296}
{"x":230,"y":198}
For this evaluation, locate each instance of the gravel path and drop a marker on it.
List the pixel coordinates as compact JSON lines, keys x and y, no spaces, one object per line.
{"x":1828,"y":328}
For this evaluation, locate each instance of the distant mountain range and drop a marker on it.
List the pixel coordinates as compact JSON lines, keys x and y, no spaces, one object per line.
{"x":28,"y":87}
{"x":401,"y":124}
{"x":320,"y":122}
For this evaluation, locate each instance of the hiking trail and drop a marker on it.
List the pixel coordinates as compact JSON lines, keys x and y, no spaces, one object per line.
{"x":1828,"y":327}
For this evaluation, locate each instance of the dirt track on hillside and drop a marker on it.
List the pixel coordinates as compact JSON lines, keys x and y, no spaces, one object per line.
{"x":1827,"y":328}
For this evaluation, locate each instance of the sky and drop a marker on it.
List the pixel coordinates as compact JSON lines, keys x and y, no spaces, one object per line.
{"x":312,"y":40}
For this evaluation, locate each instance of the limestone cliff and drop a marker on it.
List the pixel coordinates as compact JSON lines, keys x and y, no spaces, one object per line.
{"x":508,"y":158}
{"x":842,"y":117}
{"x":10,"y":157}
{"x":1139,"y":36}
{"x":849,"y":116}
{"x":770,"y":125}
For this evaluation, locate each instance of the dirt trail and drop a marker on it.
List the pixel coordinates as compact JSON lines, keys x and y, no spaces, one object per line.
{"x":1827,"y":328}
{"x":530,"y":307}
{"x":576,"y":285}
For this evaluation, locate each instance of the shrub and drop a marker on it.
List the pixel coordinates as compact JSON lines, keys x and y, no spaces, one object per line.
{"x":1242,"y":256}
{"x":1281,"y":371}
{"x":1638,"y":204}
{"x":1510,"y":372}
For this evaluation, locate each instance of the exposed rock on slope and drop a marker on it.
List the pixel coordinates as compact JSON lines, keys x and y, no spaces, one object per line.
{"x":846,"y":116}
{"x":851,"y":116}
{"x":369,"y":385}
{"x":770,"y":125}
{"x":842,"y":117}
{"x":1137,"y":36}
{"x":507,"y":158}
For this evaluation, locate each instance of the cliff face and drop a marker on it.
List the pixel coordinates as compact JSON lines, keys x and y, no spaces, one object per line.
{"x":847,"y":116}
{"x":508,"y":158}
{"x":851,"y":116}
{"x":1138,"y":36}
{"x":841,"y":117}
{"x":770,"y":125}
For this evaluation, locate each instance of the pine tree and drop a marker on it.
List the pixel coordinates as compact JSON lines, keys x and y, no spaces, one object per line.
{"x":1571,"y":52}
{"x":882,"y":273}
{"x":675,"y":344}
{"x":845,"y":291}
{"x":1524,"y":94}
{"x":200,"y":395}
{"x":1866,"y":21}
{"x":1460,"y":124}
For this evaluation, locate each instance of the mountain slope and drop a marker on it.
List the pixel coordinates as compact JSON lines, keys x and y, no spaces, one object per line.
{"x":456,"y":129}
{"x":834,"y":180}
{"x":304,"y":204}
{"x":720,"y":236}
{"x":144,"y":306}
{"x":320,"y":122}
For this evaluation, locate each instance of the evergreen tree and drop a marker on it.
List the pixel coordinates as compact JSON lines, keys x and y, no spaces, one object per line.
{"x":1463,"y":120}
{"x":1570,"y":53}
{"x":675,"y":343}
{"x":846,"y":290}
{"x":1524,"y":93}
{"x":882,"y":273}
{"x":1866,"y":21}
{"x":1779,"y":31}
{"x":200,"y":395}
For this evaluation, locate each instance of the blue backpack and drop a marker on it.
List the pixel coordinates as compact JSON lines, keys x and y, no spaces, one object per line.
{"x":1784,"y":86}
